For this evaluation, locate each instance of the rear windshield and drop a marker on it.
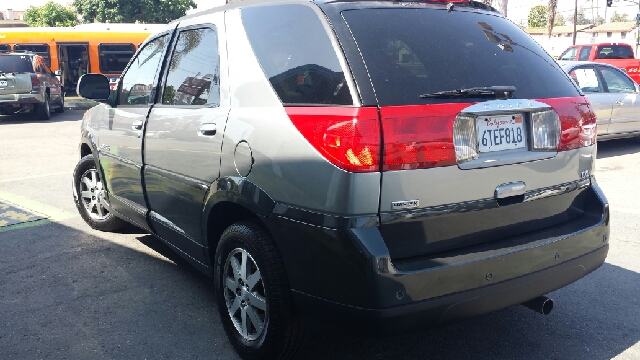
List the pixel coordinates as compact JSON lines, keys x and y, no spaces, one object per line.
{"x":409,"y":52}
{"x":614,"y":52}
{"x":15,"y":63}
{"x":42,"y":50}
{"x":115,"y":57}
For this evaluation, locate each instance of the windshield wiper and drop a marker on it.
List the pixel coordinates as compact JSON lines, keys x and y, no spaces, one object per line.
{"x":499,"y":92}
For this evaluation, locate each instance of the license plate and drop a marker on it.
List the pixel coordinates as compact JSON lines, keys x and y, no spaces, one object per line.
{"x":3,"y":83}
{"x":497,"y":133}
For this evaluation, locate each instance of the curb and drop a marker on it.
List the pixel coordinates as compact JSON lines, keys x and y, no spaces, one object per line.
{"x":79,"y":105}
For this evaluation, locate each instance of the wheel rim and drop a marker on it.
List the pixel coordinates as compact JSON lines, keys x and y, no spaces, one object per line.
{"x":92,"y":195}
{"x":244,"y":294}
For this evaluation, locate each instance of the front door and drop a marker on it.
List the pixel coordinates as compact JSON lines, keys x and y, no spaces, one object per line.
{"x":591,"y":85}
{"x":120,"y":139}
{"x":184,"y":137}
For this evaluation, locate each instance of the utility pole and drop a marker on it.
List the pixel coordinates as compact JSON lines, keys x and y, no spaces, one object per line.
{"x":575,"y":20}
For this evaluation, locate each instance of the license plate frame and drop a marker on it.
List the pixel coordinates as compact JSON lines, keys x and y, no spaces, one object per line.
{"x":501,"y":132}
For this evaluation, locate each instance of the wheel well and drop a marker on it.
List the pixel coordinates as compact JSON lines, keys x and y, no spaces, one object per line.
{"x":84,"y":150}
{"x":222,"y":216}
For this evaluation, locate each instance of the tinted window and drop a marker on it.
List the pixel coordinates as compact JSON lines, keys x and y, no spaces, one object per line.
{"x":587,"y":79}
{"x":5,"y":47}
{"x":616,"y":81}
{"x":584,"y":53}
{"x":115,"y":57}
{"x":194,"y":70}
{"x":138,"y":82}
{"x":14,"y":63}
{"x":614,"y":52}
{"x":42,"y":50}
{"x":409,"y":52}
{"x":296,"y":54}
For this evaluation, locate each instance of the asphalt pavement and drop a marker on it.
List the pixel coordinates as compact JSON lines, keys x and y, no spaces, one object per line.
{"x":70,"y":292}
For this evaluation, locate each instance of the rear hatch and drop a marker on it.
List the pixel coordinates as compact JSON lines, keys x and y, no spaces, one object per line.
{"x":483,"y":136}
{"x":15,"y":74}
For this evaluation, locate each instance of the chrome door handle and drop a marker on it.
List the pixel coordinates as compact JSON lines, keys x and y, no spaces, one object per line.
{"x":137,"y":125}
{"x":208,"y":129}
{"x":619,"y":102}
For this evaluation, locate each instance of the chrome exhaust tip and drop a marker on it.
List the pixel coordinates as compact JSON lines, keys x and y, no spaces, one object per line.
{"x":541,"y":304}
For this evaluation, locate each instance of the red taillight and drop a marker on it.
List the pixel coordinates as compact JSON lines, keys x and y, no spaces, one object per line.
{"x":348,"y":137}
{"x":420,"y":136}
{"x":577,"y":122}
{"x":35,"y":83}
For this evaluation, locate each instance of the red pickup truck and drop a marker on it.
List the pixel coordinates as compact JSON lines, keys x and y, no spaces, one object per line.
{"x":618,"y":55}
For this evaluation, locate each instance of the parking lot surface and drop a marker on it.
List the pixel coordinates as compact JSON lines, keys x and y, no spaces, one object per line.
{"x":70,"y":292}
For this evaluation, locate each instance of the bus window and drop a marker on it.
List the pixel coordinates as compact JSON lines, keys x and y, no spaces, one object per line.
{"x":115,"y":57}
{"x":5,"y":47}
{"x":39,"y":49}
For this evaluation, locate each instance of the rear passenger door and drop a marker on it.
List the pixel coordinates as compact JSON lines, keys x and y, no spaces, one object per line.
{"x":184,"y":135}
{"x":625,"y":116}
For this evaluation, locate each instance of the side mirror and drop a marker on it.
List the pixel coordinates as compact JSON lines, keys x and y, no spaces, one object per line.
{"x":58,"y":72}
{"x":94,"y":87}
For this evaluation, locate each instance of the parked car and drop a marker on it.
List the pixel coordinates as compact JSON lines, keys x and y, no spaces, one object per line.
{"x":363,"y":167}
{"x":27,"y":84}
{"x":613,"y":96}
{"x":616,"y":54}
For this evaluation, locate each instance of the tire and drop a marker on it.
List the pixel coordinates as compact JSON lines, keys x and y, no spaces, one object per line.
{"x":90,"y":197}
{"x":60,"y":109}
{"x":270,"y":331}
{"x":43,"y":110}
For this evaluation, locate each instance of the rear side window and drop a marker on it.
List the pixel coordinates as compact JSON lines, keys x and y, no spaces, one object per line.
{"x":414,"y":51}
{"x":296,"y":54}
{"x":15,"y":63}
{"x":194,"y":70}
{"x":614,"y":52}
{"x":39,"y":49}
{"x":584,"y":53}
{"x":139,"y":80}
{"x":115,"y":57}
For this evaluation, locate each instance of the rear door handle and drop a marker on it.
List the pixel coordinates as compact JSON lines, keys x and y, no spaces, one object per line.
{"x":137,"y":125}
{"x":619,"y":102}
{"x":208,"y":129}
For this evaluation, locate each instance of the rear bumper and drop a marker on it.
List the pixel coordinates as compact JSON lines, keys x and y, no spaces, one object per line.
{"x":344,"y":280}
{"x":323,"y":315}
{"x":20,"y":99}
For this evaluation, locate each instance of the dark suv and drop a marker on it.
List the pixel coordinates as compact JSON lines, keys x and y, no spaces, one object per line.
{"x":347,"y":166}
{"x":27,"y":84}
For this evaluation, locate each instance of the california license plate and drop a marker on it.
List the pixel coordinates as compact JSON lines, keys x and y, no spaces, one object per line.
{"x":3,"y":83}
{"x":497,"y":133}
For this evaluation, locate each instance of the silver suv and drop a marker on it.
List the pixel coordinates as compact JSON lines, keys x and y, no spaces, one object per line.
{"x":347,"y":166}
{"x":27,"y":84}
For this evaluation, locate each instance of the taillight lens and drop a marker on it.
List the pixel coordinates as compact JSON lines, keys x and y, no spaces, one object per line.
{"x":35,"y":83}
{"x":419,"y":137}
{"x":577,"y":122}
{"x":465,"y":138}
{"x":545,"y":132}
{"x":349,"y":138}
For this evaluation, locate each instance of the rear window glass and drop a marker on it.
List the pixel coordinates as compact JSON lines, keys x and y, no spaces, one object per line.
{"x":115,"y":57}
{"x":584,"y":53}
{"x":409,"y":52}
{"x":614,"y":52}
{"x":14,"y":63}
{"x":296,"y":54}
{"x":42,"y":50}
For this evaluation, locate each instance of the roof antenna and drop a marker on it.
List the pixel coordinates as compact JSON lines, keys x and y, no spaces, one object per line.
{"x":449,"y":7}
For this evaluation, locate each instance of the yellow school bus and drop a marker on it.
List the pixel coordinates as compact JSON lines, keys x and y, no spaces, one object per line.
{"x":74,"y":51}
